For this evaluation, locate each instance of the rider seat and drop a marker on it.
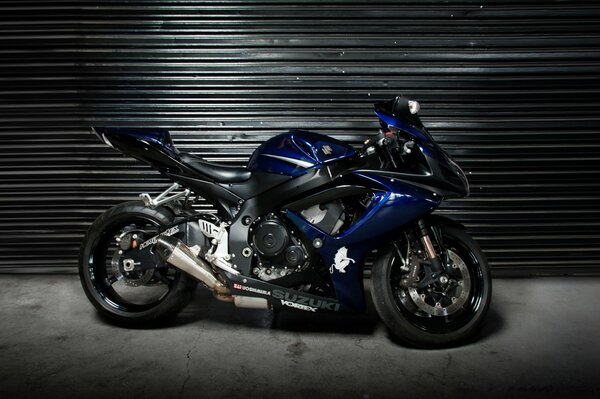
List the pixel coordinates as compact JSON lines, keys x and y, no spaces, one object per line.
{"x":216,"y":172}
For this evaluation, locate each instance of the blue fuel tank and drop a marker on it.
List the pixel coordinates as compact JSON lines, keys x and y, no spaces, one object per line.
{"x":298,"y":151}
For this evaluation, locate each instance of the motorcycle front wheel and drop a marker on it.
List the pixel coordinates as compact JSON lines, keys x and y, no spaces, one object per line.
{"x":438,"y":314}
{"x":130,"y":297}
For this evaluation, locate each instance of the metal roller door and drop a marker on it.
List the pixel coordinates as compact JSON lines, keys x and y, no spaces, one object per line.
{"x":510,"y":88}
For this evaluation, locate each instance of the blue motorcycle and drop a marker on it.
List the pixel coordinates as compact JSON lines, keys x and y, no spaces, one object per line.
{"x":292,"y":229}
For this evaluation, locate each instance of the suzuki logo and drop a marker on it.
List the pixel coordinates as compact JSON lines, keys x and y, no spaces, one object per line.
{"x":326,"y":149}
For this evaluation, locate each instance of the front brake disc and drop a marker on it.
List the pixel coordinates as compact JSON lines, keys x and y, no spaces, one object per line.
{"x":456,"y":297}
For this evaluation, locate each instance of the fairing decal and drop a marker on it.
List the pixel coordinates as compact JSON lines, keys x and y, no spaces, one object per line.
{"x":279,"y":296}
{"x":341,"y":261}
{"x":293,"y":161}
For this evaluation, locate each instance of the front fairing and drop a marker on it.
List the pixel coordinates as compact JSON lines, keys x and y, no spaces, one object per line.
{"x":428,"y":165}
{"x":446,"y":175}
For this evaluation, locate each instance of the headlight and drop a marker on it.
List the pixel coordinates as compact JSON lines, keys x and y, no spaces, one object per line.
{"x":413,"y":106}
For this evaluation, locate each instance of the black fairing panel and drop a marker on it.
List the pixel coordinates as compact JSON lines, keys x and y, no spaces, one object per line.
{"x":258,"y":183}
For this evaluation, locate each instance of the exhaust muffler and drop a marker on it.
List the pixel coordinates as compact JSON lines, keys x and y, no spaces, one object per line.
{"x":179,"y":255}
{"x":176,"y":253}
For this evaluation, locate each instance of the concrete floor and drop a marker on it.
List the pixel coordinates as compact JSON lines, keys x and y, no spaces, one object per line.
{"x":540,"y":340}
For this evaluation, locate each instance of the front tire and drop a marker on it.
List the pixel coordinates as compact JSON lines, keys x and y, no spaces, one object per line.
{"x":405,"y":310}
{"x":130,"y":298}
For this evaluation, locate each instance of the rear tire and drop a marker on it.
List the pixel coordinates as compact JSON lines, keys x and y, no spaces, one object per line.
{"x":412,"y":324}
{"x":99,"y":276}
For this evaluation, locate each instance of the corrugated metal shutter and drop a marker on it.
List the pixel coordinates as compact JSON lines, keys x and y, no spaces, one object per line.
{"x":510,"y":88}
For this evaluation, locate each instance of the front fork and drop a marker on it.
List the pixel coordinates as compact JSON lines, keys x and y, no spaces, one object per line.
{"x":436,"y":268}
{"x":424,"y":236}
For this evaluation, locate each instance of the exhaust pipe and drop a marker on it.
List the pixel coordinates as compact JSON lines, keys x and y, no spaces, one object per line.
{"x":179,"y":255}
{"x":176,"y":253}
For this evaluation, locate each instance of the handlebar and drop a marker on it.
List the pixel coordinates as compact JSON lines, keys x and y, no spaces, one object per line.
{"x":389,"y":145}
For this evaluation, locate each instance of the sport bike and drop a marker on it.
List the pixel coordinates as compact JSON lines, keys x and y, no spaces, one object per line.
{"x":292,"y":230}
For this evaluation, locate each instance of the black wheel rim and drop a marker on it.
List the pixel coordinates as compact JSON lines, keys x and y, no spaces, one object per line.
{"x":448,"y":323}
{"x":117,"y":293}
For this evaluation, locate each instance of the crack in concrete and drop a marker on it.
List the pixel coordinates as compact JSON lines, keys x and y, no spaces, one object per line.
{"x":358,"y":342}
{"x":189,"y":360}
{"x":446,"y":368}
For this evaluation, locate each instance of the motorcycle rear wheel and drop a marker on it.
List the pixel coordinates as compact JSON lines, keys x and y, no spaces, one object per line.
{"x":130,"y":298}
{"x":414,"y":321}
